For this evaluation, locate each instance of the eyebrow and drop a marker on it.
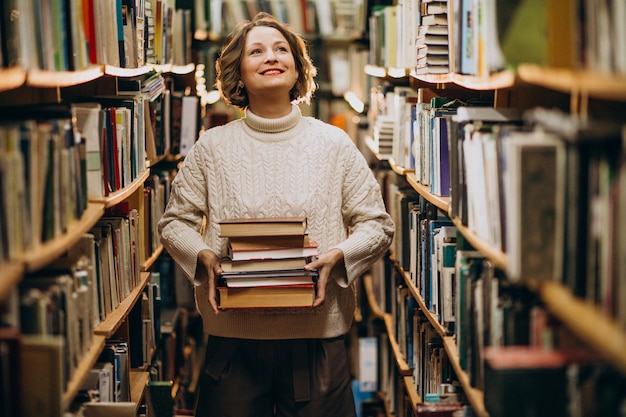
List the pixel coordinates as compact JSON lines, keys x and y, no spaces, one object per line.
{"x":261,"y":43}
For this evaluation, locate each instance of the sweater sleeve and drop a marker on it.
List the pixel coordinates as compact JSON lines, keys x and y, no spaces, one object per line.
{"x":179,"y":227}
{"x":371,"y":228}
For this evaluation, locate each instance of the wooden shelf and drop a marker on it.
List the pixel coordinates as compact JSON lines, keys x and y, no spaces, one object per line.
{"x":495,"y":255}
{"x":401,"y":363}
{"x":411,"y":390}
{"x":10,"y":275}
{"x":84,"y":367}
{"x":109,"y":326}
{"x":49,"y":251}
{"x":152,"y":259}
{"x":121,"y":195}
{"x":400,"y":170}
{"x":52,"y":79}
{"x":587,"y":83}
{"x":11,"y":78}
{"x":126,"y":72}
{"x":474,"y":396}
{"x":138,"y":380}
{"x":442,"y":203}
{"x":496,"y":81}
{"x":586,"y":321}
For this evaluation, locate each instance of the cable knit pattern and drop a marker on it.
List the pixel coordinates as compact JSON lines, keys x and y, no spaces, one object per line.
{"x":292,"y":166}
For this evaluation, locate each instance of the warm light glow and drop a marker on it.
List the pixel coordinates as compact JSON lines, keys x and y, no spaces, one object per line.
{"x":212,"y":96}
{"x":354,"y":101}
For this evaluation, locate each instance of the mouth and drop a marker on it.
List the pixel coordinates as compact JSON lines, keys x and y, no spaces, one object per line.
{"x":272,"y":71}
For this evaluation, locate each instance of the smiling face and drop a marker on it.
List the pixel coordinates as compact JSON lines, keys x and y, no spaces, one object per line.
{"x":267,"y":68}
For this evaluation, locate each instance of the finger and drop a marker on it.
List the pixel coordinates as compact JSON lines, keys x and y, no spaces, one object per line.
{"x":320,"y":294}
{"x":212,"y":296}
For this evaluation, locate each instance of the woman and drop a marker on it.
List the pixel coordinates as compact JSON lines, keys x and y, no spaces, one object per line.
{"x":275,"y":162}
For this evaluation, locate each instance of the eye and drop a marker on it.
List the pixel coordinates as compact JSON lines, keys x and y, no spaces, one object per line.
{"x":255,"y":51}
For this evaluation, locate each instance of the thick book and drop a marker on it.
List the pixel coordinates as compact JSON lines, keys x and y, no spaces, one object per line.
{"x":269,"y":278}
{"x":268,"y":242}
{"x":228,"y":265}
{"x":283,"y":296}
{"x":270,"y":226}
{"x":311,"y":249}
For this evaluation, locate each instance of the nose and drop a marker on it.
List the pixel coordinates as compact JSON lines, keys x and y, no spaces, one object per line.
{"x":270,"y":56}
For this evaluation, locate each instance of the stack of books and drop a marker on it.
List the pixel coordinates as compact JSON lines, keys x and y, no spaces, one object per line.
{"x":265,"y":263}
{"x":432,"y":39}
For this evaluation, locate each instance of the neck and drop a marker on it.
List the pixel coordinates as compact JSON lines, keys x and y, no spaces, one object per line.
{"x":270,"y":109}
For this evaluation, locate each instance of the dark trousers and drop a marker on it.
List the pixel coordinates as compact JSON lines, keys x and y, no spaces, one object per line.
{"x":284,"y":378}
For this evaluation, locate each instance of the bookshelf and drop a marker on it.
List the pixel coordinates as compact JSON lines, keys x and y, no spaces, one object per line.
{"x":26,"y":81}
{"x":581,"y":91}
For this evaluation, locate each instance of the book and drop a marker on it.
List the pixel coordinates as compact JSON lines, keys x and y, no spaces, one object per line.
{"x":271,"y":226}
{"x":269,"y":278}
{"x":268,"y":242}
{"x":283,"y":296}
{"x":228,"y":265}
{"x":311,"y":249}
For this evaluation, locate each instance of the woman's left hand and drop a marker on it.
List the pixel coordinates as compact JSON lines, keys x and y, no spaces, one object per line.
{"x":324,"y":265}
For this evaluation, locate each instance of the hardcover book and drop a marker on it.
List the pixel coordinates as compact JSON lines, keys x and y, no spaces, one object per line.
{"x":271,"y":226}
{"x":286,"y":296}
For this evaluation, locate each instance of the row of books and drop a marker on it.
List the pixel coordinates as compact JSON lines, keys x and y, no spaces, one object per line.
{"x":43,"y":178}
{"x":502,"y":334}
{"x":502,"y":168}
{"x":51,"y":325}
{"x":483,"y":37}
{"x":69,"y":36}
{"x":265,"y":266}
{"x":338,"y":18}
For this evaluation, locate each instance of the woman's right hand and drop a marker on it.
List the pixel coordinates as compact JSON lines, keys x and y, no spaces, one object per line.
{"x":208,"y":271}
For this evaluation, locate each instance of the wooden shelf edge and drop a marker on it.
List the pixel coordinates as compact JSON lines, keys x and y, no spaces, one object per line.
{"x":152,"y":259}
{"x":411,"y":389}
{"x":398,"y":169}
{"x":586,"y":321}
{"x":432,"y":318}
{"x":371,"y":299}
{"x":81,"y":372}
{"x":11,"y":78}
{"x":138,"y":380}
{"x":442,"y":203}
{"x":11,"y":273}
{"x":53,"y":79}
{"x":401,"y":363}
{"x":121,"y":195}
{"x":109,"y":326}
{"x":49,"y":251}
{"x":572,"y":81}
{"x":495,"y":255}
{"x":474,"y":395}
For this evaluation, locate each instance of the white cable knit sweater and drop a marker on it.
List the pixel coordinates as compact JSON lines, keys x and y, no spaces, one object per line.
{"x":291,"y":166}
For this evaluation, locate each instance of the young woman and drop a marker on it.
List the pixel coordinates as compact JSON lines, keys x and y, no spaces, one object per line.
{"x":275,"y":162}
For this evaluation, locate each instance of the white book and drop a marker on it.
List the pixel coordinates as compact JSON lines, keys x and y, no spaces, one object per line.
{"x":189,"y":123}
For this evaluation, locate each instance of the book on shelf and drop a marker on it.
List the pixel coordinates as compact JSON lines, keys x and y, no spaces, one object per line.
{"x":281,"y":296}
{"x":42,"y":355}
{"x":269,"y":226}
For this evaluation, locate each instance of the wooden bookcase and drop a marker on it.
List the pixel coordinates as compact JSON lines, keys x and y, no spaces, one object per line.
{"x":28,"y":86}
{"x":587,"y":93}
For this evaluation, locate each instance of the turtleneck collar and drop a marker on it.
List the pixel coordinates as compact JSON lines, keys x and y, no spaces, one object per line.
{"x":272,"y":130}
